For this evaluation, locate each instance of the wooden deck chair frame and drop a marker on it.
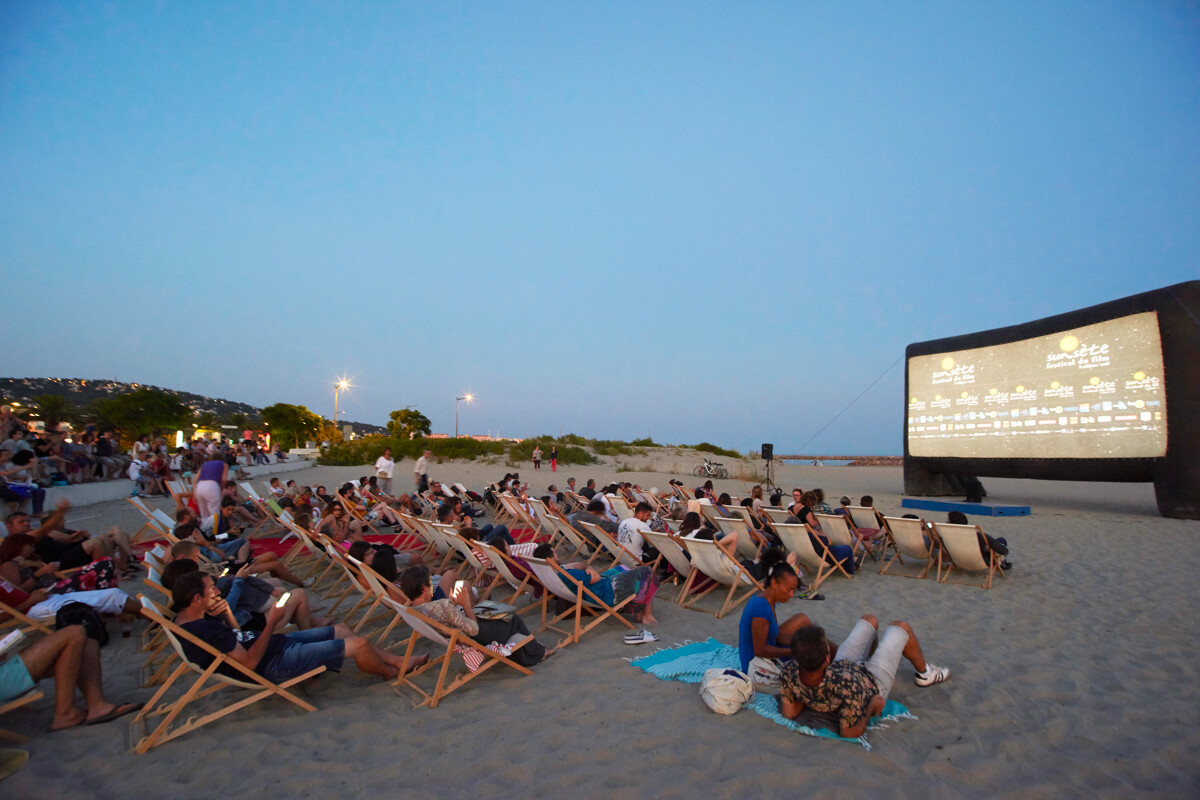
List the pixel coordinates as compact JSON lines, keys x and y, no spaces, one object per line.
{"x":856,"y":516}
{"x":840,"y":530}
{"x":463,"y":548}
{"x":503,"y":564}
{"x":23,"y":622}
{"x":31,"y":696}
{"x":442,"y":635}
{"x":959,"y":550}
{"x":575,"y":539}
{"x":544,"y":522}
{"x":906,"y":537}
{"x":150,"y":524}
{"x":711,"y":561}
{"x":209,"y":682}
{"x":745,"y":543}
{"x":555,"y":581}
{"x":621,"y":506}
{"x":819,"y":563}
{"x":620,"y":554}
{"x":776,"y":515}
{"x":674,"y":550}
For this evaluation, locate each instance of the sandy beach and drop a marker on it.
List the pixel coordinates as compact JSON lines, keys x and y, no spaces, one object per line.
{"x":1076,"y":676}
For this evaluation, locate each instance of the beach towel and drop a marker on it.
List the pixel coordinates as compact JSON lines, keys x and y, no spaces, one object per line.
{"x":688,"y":663}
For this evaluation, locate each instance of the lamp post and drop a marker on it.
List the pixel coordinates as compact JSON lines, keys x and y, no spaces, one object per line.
{"x":340,"y":386}
{"x":468,"y":398}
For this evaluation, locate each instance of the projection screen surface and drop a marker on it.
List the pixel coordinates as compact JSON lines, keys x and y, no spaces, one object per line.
{"x":1094,"y":391}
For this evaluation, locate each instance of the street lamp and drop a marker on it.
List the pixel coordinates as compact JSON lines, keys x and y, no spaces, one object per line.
{"x":468,"y":398}
{"x":340,"y":386}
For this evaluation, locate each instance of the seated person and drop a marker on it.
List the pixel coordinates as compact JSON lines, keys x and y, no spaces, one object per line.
{"x":841,"y":553}
{"x":42,"y":605}
{"x":23,"y":569}
{"x":202,"y":612}
{"x":630,"y":534}
{"x":338,"y":526}
{"x":853,"y":681}
{"x":458,"y":612}
{"x":74,"y":661}
{"x":987,"y":544}
{"x":248,"y":595}
{"x":69,"y":548}
{"x":593,"y":514}
{"x":611,"y":586}
{"x":189,"y":525}
{"x":385,"y":563}
{"x":760,"y":636}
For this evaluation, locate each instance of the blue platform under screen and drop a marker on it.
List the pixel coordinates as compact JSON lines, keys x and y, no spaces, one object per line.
{"x":986,"y":509}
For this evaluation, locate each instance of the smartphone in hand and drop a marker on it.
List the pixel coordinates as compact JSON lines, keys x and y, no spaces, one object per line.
{"x":283,"y":599}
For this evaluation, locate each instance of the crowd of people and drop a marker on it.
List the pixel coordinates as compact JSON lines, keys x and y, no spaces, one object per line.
{"x":241,"y":610}
{"x":33,"y":460}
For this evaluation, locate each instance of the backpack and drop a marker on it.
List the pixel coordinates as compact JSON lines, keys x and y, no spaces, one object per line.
{"x":76,"y":613}
{"x":725,"y":690}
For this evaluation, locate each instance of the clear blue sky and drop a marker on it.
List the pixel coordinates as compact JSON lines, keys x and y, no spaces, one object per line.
{"x":697,"y":221}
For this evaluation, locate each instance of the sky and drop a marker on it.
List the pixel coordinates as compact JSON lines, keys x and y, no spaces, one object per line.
{"x":696,"y":221}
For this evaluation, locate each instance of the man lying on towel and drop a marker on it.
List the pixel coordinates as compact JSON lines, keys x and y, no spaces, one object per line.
{"x":855,"y":684}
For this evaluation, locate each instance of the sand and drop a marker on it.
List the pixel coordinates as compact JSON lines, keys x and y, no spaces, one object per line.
{"x":1076,"y":676}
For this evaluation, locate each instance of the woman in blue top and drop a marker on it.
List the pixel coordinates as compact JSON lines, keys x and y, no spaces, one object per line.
{"x":759,"y":633}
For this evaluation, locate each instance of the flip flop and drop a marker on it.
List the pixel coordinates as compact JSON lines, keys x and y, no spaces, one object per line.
{"x":642,"y":637}
{"x":118,"y":711}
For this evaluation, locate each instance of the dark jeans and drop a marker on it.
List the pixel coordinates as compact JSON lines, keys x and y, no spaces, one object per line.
{"x":501,"y":630}
{"x":494,"y":534}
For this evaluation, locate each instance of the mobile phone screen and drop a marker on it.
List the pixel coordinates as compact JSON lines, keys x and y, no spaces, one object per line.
{"x":283,"y":600}
{"x":458,"y":586}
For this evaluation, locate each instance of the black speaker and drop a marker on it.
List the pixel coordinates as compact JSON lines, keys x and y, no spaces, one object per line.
{"x":768,"y":451}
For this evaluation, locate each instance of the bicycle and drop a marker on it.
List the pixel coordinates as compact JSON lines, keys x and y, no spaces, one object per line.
{"x":711,"y":469}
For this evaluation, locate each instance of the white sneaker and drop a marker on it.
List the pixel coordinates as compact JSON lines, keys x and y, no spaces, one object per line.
{"x":932,"y":675}
{"x":640,"y":637}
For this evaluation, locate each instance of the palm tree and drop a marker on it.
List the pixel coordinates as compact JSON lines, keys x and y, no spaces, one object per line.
{"x":54,"y":410}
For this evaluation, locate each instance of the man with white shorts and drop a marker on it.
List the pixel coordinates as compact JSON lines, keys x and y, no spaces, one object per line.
{"x":855,"y":685}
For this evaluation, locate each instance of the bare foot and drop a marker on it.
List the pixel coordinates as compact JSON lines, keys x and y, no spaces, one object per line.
{"x":76,"y":717}
{"x":649,"y":619}
{"x":417,"y":663}
{"x":549,"y":652}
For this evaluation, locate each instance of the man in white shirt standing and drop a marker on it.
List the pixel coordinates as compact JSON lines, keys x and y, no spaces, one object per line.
{"x":383,"y":470}
{"x":420,"y":471}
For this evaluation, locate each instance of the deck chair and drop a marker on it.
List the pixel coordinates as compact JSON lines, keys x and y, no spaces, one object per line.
{"x":179,"y":493}
{"x":818,"y":562}
{"x":558,"y":583}
{"x":574,"y":538}
{"x":746,"y":545}
{"x":31,"y":696}
{"x":463,"y":548}
{"x":476,"y":657}
{"x":11,"y":618}
{"x":619,"y":554}
{"x":674,"y":550}
{"x":840,"y":530}
{"x":620,"y":506}
{"x":908,"y":538}
{"x":960,"y":551}
{"x":866,"y":524}
{"x":150,"y":529}
{"x":544,"y":521}
{"x":709,"y":560}
{"x":503,"y":564}
{"x":776,"y":515}
{"x":209,"y":682}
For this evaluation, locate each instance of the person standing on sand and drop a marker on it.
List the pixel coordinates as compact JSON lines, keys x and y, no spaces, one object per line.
{"x":553,"y":458}
{"x":537,"y":457}
{"x":384,"y":467}
{"x":421,"y":470}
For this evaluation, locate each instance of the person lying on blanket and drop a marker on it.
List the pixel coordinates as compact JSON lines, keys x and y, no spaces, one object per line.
{"x":457,"y":611}
{"x":611,"y":586}
{"x":202,"y":612}
{"x":852,"y":681}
